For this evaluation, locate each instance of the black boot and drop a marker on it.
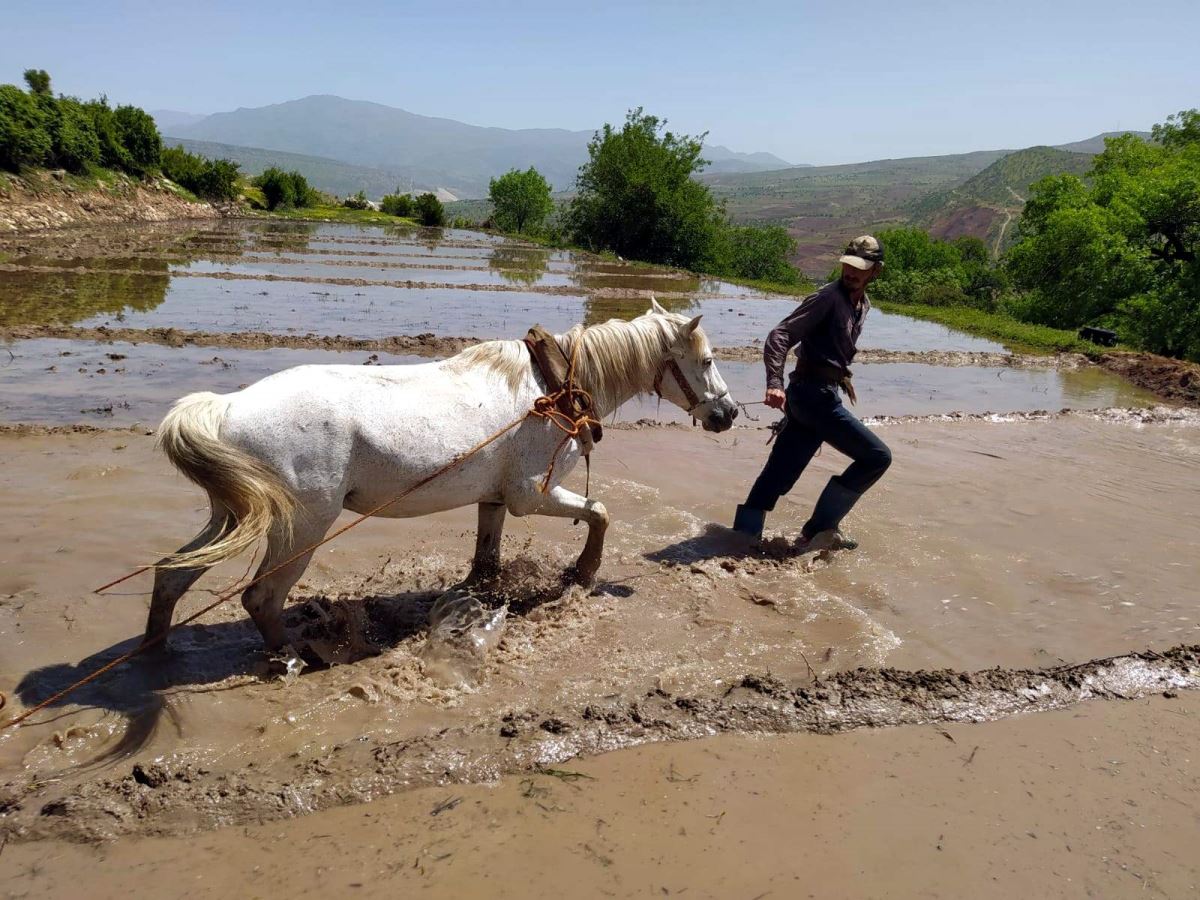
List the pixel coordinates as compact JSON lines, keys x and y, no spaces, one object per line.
{"x":749,"y":521}
{"x":832,"y":506}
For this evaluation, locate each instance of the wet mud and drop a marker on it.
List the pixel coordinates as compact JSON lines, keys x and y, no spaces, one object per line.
{"x":166,"y":798}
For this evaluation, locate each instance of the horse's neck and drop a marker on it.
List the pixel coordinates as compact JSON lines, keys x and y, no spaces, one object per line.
{"x":608,"y":397}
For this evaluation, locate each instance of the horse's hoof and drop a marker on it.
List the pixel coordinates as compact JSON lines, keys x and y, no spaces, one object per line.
{"x":582,"y":577}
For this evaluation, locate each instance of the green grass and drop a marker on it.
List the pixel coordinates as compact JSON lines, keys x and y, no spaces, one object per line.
{"x":1018,"y":336}
{"x":337,"y":214}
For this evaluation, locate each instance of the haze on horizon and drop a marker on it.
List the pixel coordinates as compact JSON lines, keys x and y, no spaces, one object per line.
{"x":812,"y":83}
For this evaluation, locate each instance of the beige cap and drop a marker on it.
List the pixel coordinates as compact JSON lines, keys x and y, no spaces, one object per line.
{"x":864,"y":252}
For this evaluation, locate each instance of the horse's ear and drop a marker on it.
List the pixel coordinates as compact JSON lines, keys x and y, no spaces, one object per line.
{"x":693,"y":325}
{"x":656,"y":307}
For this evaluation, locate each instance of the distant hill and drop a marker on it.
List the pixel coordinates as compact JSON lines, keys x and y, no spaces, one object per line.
{"x":435,"y":151}
{"x":986,"y":205}
{"x":822,"y":206}
{"x":324,"y":174}
{"x":1094,"y":145}
{"x":168,"y":120}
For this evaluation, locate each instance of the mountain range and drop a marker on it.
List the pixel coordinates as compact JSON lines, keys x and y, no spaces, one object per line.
{"x":422,"y":152}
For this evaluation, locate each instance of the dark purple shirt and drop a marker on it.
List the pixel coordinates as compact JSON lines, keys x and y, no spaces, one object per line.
{"x":826,"y":325}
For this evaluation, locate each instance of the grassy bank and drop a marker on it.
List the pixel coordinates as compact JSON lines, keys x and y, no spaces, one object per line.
{"x":1019,"y":336}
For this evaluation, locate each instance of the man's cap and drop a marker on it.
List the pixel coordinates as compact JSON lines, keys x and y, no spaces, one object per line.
{"x":863,"y":253}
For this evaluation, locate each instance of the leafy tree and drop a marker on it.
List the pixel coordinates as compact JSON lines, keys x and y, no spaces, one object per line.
{"x":429,"y":210}
{"x":219,"y":180}
{"x":74,"y":143}
{"x":637,"y":197}
{"x":1122,"y":252}
{"x":24,"y":135}
{"x":113,"y":154}
{"x":140,"y":138}
{"x":520,"y":200}
{"x":757,"y":253}
{"x":38,"y":81}
{"x":397,"y":204}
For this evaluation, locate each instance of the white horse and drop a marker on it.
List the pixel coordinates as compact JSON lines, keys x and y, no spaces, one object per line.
{"x":283,"y":457}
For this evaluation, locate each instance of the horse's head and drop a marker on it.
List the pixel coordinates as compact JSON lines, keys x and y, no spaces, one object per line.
{"x":687,"y":375}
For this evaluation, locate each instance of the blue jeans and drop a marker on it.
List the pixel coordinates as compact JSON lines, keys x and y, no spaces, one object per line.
{"x":815,"y":416}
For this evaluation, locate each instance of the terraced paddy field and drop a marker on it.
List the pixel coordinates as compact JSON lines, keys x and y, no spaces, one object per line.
{"x":1018,"y":557}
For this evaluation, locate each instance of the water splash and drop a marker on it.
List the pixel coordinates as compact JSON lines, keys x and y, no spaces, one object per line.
{"x":462,"y":633}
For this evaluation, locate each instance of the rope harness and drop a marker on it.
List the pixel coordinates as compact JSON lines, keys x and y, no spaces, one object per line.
{"x":568,"y":408}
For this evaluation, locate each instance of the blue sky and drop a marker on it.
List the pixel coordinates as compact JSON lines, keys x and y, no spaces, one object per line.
{"x":812,"y":82}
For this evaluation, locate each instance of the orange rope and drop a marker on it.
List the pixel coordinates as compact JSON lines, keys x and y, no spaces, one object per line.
{"x":543,"y":407}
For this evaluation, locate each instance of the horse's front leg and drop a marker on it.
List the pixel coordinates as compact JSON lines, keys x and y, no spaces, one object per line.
{"x":566,"y":504}
{"x":486,"y":563}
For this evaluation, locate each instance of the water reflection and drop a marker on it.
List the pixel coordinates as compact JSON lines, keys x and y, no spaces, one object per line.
{"x":519,"y":265}
{"x":286,"y":237}
{"x":430,"y":238}
{"x":601,"y":309}
{"x":590,"y":275}
{"x":39,"y":298}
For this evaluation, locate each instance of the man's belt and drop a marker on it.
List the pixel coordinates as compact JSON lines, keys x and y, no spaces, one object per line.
{"x":825,"y":372}
{"x":553,"y":365}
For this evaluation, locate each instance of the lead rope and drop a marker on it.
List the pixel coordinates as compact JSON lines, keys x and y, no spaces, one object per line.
{"x":544,"y":407}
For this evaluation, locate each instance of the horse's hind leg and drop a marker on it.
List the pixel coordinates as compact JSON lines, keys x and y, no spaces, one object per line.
{"x":264,"y":600}
{"x":486,"y":562}
{"x":171,"y":584}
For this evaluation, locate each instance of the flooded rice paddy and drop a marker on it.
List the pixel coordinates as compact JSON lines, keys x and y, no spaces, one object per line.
{"x":1007,"y":540}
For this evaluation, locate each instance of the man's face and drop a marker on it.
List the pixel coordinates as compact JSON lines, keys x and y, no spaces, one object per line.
{"x":858,"y":279}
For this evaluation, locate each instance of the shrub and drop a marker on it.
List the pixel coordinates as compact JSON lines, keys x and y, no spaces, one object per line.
{"x":356,"y":201}
{"x":757,"y":253}
{"x":397,"y":204}
{"x":140,"y":138}
{"x":24,"y":135}
{"x":284,"y":190}
{"x":429,"y":210}
{"x":215,"y":179}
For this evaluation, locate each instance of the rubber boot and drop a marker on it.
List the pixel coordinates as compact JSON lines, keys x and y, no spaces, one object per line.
{"x":749,"y":521}
{"x":832,"y":506}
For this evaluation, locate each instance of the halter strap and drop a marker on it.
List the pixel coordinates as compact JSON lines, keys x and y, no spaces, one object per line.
{"x":670,"y":365}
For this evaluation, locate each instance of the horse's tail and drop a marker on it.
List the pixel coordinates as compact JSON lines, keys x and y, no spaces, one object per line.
{"x":250,"y":496}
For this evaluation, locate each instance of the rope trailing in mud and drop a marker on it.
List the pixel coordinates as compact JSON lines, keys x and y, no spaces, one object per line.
{"x":543,"y":408}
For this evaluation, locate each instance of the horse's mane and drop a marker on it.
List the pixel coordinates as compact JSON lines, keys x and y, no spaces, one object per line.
{"x":617,"y":359}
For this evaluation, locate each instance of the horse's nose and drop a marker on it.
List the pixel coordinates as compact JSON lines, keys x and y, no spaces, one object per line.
{"x":733,"y":414}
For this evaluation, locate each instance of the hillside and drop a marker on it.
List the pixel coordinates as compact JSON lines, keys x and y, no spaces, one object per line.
{"x":987,"y":204}
{"x":431,"y":151}
{"x":324,"y":174}
{"x":822,"y":205}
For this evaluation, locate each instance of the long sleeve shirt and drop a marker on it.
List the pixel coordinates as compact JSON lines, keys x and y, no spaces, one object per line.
{"x":825,"y":325}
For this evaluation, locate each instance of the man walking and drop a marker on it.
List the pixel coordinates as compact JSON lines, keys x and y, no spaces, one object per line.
{"x":826,"y":326}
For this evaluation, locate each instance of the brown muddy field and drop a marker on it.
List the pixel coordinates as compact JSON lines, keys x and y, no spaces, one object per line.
{"x":959,"y":706}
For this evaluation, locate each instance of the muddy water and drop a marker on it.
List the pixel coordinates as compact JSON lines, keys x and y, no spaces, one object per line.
{"x":986,"y":544}
{"x":65,"y":381}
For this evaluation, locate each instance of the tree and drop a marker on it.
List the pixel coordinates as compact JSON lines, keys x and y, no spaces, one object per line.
{"x":520,"y":200}
{"x":38,"y":81}
{"x":74,"y":143}
{"x":397,"y":204}
{"x":113,"y":154}
{"x":757,"y":253}
{"x":429,"y":210}
{"x":24,"y":136}
{"x":637,"y":197}
{"x":140,"y":138}
{"x":1122,"y":251}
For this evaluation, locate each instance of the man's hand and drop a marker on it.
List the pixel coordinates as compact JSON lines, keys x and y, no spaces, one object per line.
{"x":775,"y":398}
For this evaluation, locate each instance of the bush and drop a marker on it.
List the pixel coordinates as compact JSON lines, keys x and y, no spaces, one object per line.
{"x":284,"y":190}
{"x":756,"y":253}
{"x":74,"y":143}
{"x":24,"y":135}
{"x":215,"y":179}
{"x":39,"y":82}
{"x":140,"y":138}
{"x":520,"y":200}
{"x":357,"y":201}
{"x":397,"y":204}
{"x":429,"y":210}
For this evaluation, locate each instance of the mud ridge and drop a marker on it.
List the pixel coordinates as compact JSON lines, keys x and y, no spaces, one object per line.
{"x":172,"y":798}
{"x":1171,"y":379}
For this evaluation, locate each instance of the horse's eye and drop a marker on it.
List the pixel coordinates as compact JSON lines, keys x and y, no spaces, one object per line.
{"x":708,"y":362}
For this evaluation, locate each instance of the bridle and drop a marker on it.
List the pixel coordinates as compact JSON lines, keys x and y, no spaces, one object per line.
{"x":670,"y":365}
